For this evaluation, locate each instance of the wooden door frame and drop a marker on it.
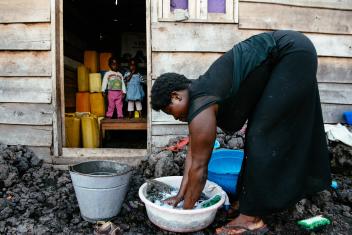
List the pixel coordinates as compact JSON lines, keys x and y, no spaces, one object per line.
{"x":58,"y":78}
{"x":57,"y":75}
{"x":149,"y":73}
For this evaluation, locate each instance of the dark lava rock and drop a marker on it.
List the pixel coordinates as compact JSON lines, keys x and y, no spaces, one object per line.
{"x":166,"y":166}
{"x":341,"y":161}
{"x":38,"y":199}
{"x":235,"y":143}
{"x":154,"y":158}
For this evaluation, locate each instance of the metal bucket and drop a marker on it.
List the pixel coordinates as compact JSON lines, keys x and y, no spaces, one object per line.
{"x":100,"y":188}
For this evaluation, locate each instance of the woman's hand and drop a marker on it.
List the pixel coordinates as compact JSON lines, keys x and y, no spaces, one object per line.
{"x":173,"y":201}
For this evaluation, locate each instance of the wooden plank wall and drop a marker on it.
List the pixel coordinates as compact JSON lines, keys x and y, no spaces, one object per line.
{"x":26,"y":111}
{"x":189,"y":48}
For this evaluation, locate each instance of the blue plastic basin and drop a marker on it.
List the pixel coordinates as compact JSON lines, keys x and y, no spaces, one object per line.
{"x":224,"y":167}
{"x":348,"y":117}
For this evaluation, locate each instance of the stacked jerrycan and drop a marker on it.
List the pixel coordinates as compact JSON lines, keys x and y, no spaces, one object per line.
{"x":90,"y":130}
{"x":96,"y":99}
{"x":91,"y":61}
{"x":82,"y":130}
{"x":82,"y":96}
{"x":83,"y":127}
{"x":104,"y":61}
{"x":73,"y":130}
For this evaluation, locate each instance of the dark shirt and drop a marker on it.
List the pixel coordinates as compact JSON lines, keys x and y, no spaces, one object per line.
{"x":220,"y":83}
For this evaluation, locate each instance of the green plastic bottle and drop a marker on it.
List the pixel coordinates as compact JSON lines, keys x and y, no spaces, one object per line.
{"x":210,"y":202}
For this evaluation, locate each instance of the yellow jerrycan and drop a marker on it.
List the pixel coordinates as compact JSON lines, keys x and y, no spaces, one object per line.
{"x":83,"y":78}
{"x":97,"y":104}
{"x":82,"y":102}
{"x":73,"y":130}
{"x":91,"y":61}
{"x":95,"y":82}
{"x":104,"y":61}
{"x":90,"y":131}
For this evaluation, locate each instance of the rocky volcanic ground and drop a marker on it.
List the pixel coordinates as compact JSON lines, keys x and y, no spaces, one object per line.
{"x":38,"y":199}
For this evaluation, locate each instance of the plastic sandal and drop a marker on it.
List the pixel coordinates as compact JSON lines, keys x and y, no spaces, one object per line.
{"x":106,"y":228}
{"x":258,"y":231}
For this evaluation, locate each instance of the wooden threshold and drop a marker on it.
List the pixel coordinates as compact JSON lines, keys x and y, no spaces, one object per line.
{"x":76,"y":155}
{"x":124,"y":124}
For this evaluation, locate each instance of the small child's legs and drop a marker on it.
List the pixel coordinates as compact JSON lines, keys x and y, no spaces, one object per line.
{"x":131,"y":104}
{"x":115,"y":99}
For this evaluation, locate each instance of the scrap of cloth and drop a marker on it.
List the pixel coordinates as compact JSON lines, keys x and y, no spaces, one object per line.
{"x":286,"y":156}
{"x":338,"y":132}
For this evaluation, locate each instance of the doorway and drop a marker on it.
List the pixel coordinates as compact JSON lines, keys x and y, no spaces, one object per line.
{"x":95,"y":31}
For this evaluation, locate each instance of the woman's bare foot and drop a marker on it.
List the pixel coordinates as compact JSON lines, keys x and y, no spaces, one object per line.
{"x":245,"y":221}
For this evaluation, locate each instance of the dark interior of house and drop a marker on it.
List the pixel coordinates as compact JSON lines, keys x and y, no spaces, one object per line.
{"x":105,"y":26}
{"x":99,"y":24}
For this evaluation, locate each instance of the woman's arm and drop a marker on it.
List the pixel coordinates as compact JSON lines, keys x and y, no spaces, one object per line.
{"x":202,"y":133}
{"x":173,"y":201}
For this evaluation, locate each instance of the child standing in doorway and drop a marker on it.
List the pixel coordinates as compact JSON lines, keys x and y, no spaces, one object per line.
{"x":135,"y":93}
{"x":114,"y":83}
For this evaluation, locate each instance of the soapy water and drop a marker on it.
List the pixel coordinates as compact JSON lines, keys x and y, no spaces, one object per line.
{"x":165,"y":196}
{"x":158,"y":192}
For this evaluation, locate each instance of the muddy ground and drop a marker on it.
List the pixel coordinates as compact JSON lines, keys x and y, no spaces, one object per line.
{"x":38,"y":199}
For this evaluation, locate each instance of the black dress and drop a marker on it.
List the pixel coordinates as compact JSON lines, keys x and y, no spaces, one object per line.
{"x":270,"y":80}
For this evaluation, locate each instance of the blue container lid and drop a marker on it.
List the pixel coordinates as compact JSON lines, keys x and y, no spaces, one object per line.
{"x":225,"y":161}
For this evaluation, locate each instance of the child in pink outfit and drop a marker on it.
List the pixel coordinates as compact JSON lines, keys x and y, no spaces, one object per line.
{"x":113,"y":82}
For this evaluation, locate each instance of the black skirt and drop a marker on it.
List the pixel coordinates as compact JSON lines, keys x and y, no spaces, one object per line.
{"x":286,"y":155}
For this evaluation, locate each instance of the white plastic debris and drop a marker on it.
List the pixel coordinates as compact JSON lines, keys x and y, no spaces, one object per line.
{"x":338,"y":132}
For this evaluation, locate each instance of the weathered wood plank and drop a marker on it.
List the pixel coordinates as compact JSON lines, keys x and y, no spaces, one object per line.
{"x":27,"y":114}
{"x":27,"y":90}
{"x":25,"y":63}
{"x":333,"y":113}
{"x":169,"y":129}
{"x":335,"y":93}
{"x":222,"y":37}
{"x":163,"y":117}
{"x":25,"y":36}
{"x":196,"y":37}
{"x":43,"y":153}
{"x":269,"y":16}
{"x":26,"y":135}
{"x":193,"y":64}
{"x":149,"y":19}
{"x":332,"y":45}
{"x":163,"y":140}
{"x":190,"y":64}
{"x":337,"y":70}
{"x":331,"y":4}
{"x":12,"y":11}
